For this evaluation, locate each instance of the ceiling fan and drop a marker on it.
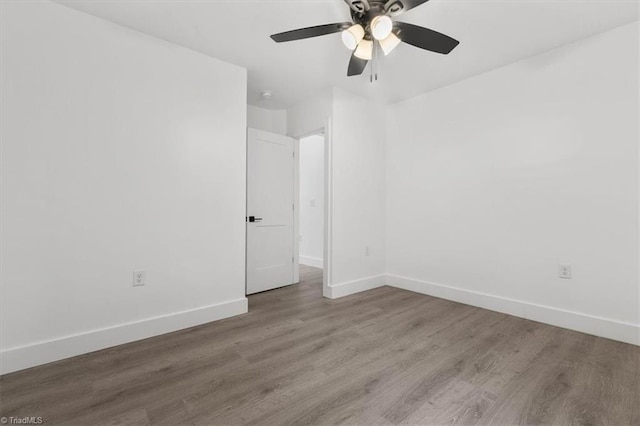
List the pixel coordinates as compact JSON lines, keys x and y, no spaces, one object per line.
{"x":373,"y":29}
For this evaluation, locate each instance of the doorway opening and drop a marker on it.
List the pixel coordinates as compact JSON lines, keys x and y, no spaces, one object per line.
{"x":288,"y":234}
{"x":311,"y":201}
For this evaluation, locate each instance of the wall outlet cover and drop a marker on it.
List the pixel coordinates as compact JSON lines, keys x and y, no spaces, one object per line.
{"x":139,"y":278}
{"x":564,"y":271}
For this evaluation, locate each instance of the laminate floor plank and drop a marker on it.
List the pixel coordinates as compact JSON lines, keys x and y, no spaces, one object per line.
{"x":382,"y":357}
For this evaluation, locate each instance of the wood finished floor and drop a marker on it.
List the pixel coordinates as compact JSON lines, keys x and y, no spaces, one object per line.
{"x":386,"y":356}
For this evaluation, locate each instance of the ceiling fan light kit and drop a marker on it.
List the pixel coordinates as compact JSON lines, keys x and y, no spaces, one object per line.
{"x":352,"y":36}
{"x":381,"y":27}
{"x":389,"y":43}
{"x":364,"y":50}
{"x":373,"y":29}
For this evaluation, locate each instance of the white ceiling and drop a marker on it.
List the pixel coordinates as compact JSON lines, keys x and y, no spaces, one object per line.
{"x":492,"y":33}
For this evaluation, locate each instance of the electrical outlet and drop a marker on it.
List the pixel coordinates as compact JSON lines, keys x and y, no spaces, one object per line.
{"x":565,"y":271}
{"x":366,"y":251}
{"x":139,"y":278}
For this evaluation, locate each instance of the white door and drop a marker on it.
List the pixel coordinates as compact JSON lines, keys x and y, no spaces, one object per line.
{"x":270,"y":211}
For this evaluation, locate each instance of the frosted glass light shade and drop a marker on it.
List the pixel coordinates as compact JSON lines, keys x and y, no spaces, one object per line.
{"x":381,"y":27}
{"x":352,"y":36}
{"x":364,"y":50}
{"x":389,"y":43}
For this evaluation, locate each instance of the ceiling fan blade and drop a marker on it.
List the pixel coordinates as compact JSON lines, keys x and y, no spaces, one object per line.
{"x":309,"y":32}
{"x":356,"y":65}
{"x":359,"y":6}
{"x":425,"y":38}
{"x":397,"y":7}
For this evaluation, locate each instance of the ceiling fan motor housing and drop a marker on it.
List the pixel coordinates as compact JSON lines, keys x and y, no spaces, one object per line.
{"x":359,"y":6}
{"x":364,"y":18}
{"x":363,"y":11}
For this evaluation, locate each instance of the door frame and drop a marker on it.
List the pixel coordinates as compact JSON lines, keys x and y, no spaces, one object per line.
{"x":328,"y":199}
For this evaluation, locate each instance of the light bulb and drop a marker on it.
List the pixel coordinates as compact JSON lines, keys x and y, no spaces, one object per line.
{"x":352,"y":36}
{"x":381,"y":27}
{"x":389,"y":43}
{"x":364,"y":50}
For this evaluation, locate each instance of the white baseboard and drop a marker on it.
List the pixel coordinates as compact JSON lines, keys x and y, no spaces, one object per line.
{"x":345,"y":289}
{"x":311,"y":261}
{"x":597,"y":326}
{"x":19,"y":358}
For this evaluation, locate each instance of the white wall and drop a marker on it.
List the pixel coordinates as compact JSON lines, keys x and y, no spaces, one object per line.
{"x":355,"y":149}
{"x":274,"y":121}
{"x":119,"y":152}
{"x":494,"y":181}
{"x":306,"y":117}
{"x":358,"y":188}
{"x":311,"y":201}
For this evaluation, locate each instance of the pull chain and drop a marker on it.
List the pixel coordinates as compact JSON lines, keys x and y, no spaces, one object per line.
{"x":374,"y":67}
{"x":374,"y":63}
